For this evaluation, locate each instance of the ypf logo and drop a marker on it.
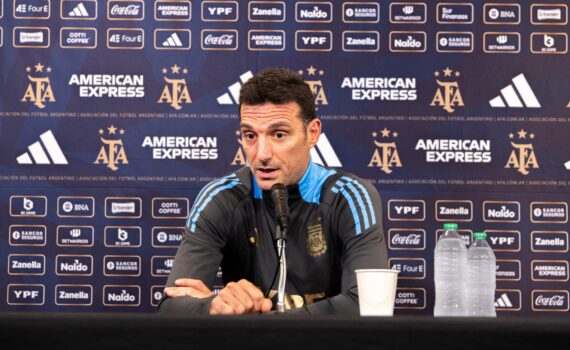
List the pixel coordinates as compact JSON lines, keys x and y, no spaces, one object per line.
{"x":385,"y":154}
{"x":522,"y":156}
{"x":39,"y":89}
{"x":316,"y":85}
{"x":448,"y":94}
{"x":112,"y":151}
{"x":175,"y":91}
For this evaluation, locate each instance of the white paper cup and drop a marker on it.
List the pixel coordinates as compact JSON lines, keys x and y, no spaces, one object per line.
{"x":376,"y":291}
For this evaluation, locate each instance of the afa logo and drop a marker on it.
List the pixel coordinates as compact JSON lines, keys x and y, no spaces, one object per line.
{"x":522,"y":157}
{"x":385,"y":154}
{"x":316,"y":85}
{"x":112,"y":151}
{"x":448,"y":94}
{"x":175,"y":91}
{"x":39,"y":89}
{"x":239,"y":158}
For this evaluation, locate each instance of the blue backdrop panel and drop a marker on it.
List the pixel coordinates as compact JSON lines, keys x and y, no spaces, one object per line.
{"x":114,"y":114}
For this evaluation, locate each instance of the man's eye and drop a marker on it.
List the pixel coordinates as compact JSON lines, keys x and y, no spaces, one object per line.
{"x":248,"y":136}
{"x":280,"y":135}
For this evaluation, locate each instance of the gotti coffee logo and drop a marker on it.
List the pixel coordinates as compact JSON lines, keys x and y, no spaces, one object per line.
{"x":410,"y":298}
{"x":39,"y":90}
{"x":175,"y":91}
{"x":316,"y":84}
{"x":112,"y":152}
{"x":448,"y":94}
{"x":385,"y":154}
{"x":522,"y":156}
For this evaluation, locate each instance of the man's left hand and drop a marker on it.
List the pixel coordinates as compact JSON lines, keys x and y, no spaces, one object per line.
{"x":188,"y":287}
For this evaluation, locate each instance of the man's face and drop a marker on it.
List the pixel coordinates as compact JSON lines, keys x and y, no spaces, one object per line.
{"x":276,"y":143}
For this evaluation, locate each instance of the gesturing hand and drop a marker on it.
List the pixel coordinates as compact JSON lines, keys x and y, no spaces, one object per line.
{"x":240,"y":298}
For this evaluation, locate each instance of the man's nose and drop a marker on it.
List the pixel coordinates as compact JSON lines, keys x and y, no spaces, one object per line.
{"x":264,"y":152}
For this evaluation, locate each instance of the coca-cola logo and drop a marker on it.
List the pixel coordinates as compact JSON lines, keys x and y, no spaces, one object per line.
{"x":126,"y":10}
{"x":545,"y":300}
{"x":555,"y":300}
{"x":413,"y":239}
{"x":221,"y":40}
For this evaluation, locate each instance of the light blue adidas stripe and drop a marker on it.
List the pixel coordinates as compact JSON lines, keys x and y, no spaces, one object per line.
{"x":353,"y":194}
{"x":208,"y":199}
{"x":368,"y":200}
{"x":352,"y":208}
{"x":205,"y":191}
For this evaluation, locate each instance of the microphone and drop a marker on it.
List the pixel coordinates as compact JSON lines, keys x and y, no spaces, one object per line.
{"x":279,"y":198}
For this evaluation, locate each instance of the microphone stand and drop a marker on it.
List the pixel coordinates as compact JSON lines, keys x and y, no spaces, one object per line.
{"x":281,"y":242}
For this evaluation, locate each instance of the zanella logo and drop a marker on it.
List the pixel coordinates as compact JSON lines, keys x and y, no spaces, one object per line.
{"x":112,"y":151}
{"x":316,"y":85}
{"x":549,"y":241}
{"x":522,"y":156}
{"x":39,"y":89}
{"x":385,"y":154}
{"x":125,"y":10}
{"x":448,"y":94}
{"x":175,"y":91}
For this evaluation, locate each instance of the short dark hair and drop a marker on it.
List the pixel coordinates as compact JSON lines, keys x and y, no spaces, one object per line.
{"x":279,"y":86}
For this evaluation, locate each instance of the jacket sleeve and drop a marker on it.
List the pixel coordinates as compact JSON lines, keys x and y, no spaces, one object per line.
{"x":357,"y":222}
{"x":200,"y":252}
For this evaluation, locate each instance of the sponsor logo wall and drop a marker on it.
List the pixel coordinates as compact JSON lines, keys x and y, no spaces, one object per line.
{"x":114,"y":114}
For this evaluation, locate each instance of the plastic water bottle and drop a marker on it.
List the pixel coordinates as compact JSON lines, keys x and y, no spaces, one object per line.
{"x":450,"y":262}
{"x":481,"y":278}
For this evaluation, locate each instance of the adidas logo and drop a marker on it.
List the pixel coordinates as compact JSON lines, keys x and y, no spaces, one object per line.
{"x":79,"y":11}
{"x":226,"y":99}
{"x":511,"y":95}
{"x":504,"y":302}
{"x":39,"y":155}
{"x":323,"y":153}
{"x":173,"y":41}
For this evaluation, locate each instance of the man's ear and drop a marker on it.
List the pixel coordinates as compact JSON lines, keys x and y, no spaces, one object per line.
{"x":313,"y":131}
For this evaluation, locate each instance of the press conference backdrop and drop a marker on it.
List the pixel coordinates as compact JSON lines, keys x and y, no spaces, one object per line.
{"x":114,"y":114}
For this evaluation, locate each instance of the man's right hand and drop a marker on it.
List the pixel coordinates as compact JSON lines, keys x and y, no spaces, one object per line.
{"x":240,"y":298}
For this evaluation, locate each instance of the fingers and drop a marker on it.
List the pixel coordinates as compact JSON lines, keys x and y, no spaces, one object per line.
{"x":174,"y":292}
{"x":188,"y":287}
{"x":239,"y":298}
{"x":193,"y":283}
